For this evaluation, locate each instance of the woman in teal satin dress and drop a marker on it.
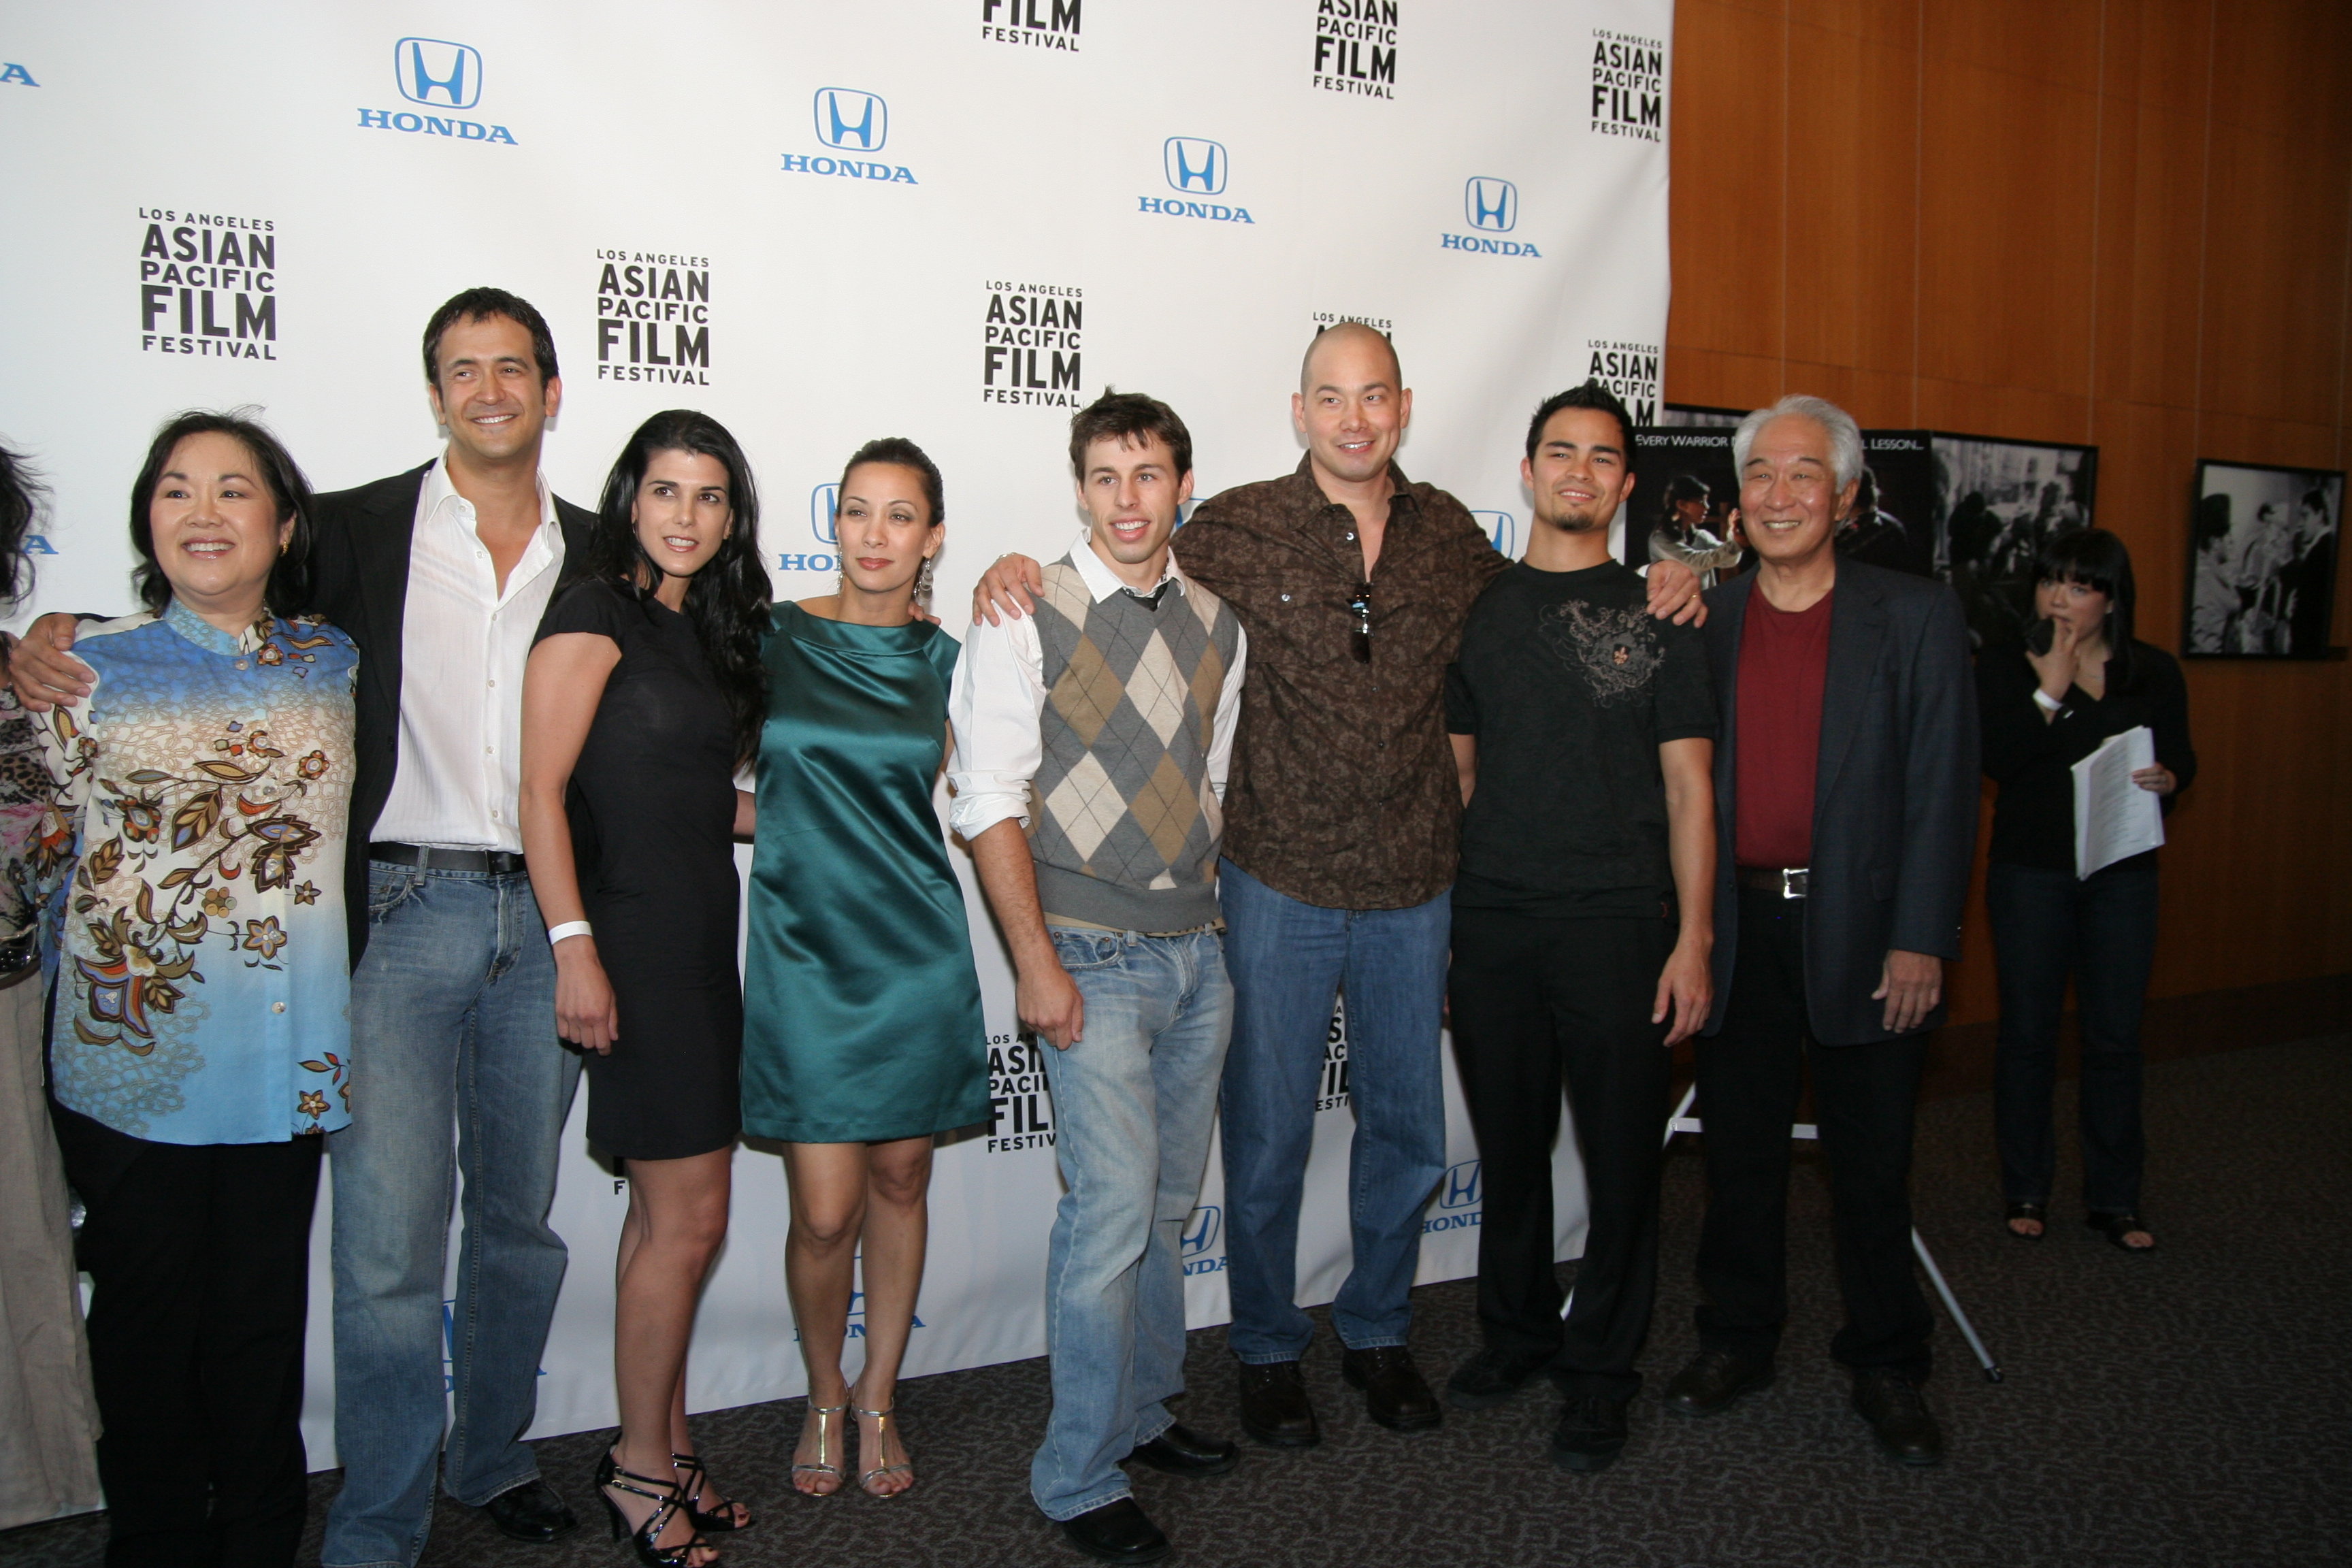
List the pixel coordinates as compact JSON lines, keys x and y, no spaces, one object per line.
{"x":863,"y":1034}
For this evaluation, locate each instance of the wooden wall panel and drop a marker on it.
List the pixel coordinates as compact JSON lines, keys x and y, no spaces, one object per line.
{"x":2127,"y":222}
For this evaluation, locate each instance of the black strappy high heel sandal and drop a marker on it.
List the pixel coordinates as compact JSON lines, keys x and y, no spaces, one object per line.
{"x":691,"y":1475}
{"x":643,"y":1539}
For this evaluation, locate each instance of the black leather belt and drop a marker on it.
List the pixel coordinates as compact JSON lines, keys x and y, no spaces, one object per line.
{"x":430,"y":858}
{"x":1791,"y":882}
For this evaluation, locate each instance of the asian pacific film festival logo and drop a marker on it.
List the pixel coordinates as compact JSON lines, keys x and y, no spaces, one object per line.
{"x":1629,"y":86}
{"x":1629,"y":370}
{"x":1331,"y":1090}
{"x":439,"y":76}
{"x":1031,"y":341}
{"x":207,"y":284}
{"x":653,"y":317}
{"x":1019,"y":1101}
{"x":1195,"y":168}
{"x":853,"y":124}
{"x":1356,"y":47}
{"x":1032,"y":24}
{"x":1490,"y":206}
{"x":1459,"y":1204}
{"x":1200,"y":1245}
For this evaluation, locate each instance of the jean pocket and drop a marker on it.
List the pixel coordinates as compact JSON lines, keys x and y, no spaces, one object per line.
{"x":388,"y":888}
{"x":1085,"y":950}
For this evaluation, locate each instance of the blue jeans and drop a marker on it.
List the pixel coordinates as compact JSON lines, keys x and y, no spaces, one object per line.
{"x":1134,"y":1101}
{"x":453,"y":1025}
{"x":2102,"y":930}
{"x":1288,"y":960}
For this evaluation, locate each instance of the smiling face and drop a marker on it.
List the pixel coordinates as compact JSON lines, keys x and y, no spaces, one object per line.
{"x":488,"y":394}
{"x":1351,"y":405}
{"x":885,"y":527}
{"x":216,"y":527}
{"x":1577,"y":476}
{"x":1133,"y":493}
{"x":1790,"y":500}
{"x":682,"y":510}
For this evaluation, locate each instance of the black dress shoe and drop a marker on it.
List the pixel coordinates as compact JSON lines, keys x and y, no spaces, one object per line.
{"x":1116,"y":1533}
{"x":1899,"y":1418}
{"x":1273,"y":1406}
{"x":1590,"y":1433}
{"x":1714,"y":1381}
{"x":1181,"y":1451}
{"x":531,"y":1511}
{"x":1395,"y":1394}
{"x":1493,"y":1375}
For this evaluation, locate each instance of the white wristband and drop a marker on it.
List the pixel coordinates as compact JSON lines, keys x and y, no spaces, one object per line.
{"x":2047,"y":704}
{"x":569,"y":928}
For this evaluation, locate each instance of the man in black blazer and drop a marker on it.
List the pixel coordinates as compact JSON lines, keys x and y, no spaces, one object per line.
{"x":1846,"y":810}
{"x":440,"y":575}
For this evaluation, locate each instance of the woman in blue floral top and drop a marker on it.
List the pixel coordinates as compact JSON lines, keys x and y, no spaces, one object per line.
{"x":200,"y":1037}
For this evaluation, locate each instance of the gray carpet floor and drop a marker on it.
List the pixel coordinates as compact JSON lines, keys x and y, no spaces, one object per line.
{"x":2188,"y":1408}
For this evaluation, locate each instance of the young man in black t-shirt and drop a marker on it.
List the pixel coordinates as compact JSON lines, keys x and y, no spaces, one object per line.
{"x":1583,"y":920}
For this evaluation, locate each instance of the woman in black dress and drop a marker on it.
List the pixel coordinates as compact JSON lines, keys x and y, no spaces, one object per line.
{"x":641,"y":698}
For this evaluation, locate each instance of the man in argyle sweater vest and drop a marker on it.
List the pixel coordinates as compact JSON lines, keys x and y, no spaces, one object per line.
{"x":1102,"y":725}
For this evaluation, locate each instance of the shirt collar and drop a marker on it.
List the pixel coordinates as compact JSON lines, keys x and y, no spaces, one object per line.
{"x":1102,"y":582}
{"x":1311,"y":494}
{"x":440,"y":493}
{"x":210,"y":637}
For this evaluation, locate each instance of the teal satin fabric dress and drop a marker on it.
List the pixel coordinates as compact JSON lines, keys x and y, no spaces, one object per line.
{"x":862,"y":1017}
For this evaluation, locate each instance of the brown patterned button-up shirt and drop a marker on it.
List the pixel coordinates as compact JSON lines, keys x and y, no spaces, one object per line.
{"x":1343,"y":790}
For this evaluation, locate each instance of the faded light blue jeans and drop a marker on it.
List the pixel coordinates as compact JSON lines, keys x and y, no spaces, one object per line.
{"x":1288,"y":960}
{"x":453,"y":1026}
{"x":1135,"y":1100}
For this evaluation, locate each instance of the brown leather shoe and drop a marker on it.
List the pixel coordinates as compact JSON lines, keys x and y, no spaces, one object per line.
{"x":1275,"y":1409}
{"x":1395,"y":1393}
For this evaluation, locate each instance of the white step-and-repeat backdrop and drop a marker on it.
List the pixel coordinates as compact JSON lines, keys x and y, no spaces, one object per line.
{"x":824,"y":221}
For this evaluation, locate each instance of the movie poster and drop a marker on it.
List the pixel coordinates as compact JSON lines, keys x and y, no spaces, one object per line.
{"x":1686,"y":501}
{"x":2262,"y":562}
{"x":1996,"y":501}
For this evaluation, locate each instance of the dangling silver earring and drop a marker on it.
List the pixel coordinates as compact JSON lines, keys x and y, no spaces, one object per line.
{"x":923,"y":585}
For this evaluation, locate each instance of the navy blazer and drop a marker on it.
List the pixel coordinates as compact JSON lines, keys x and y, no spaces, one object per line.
{"x":358,"y":556}
{"x":1895,"y":796}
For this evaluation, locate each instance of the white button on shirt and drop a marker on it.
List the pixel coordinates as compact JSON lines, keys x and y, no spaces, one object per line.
{"x":463,"y":644}
{"x":997,"y":704}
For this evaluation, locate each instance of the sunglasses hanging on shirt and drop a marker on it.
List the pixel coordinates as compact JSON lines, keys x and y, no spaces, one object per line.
{"x":1360,"y":606}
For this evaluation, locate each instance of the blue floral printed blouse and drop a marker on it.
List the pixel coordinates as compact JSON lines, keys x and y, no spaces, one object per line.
{"x":204,"y":986}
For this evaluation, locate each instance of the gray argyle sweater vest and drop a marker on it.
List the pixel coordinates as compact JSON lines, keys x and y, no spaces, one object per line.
{"x":1124,"y":825}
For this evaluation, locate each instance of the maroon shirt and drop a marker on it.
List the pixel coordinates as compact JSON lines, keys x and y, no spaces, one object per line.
{"x":1784,"y":662}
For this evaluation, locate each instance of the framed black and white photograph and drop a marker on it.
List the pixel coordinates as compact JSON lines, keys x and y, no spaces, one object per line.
{"x":1996,"y":501}
{"x":2262,"y":561}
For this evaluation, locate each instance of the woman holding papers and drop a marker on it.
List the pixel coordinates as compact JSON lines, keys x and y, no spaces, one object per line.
{"x":2079,"y":681}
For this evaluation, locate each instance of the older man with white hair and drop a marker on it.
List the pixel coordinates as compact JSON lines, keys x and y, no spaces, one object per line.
{"x":1845,"y":779}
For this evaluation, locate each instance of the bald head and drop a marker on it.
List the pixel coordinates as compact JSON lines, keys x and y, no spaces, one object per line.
{"x":1347,"y":335}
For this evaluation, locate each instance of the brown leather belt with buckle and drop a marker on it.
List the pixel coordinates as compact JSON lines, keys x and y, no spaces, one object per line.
{"x":1789,"y":882}
{"x":430,"y":858}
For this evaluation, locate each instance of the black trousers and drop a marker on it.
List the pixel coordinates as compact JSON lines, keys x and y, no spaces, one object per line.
{"x":200,"y":1258}
{"x":1750,"y":1076}
{"x":1534,"y":1002}
{"x":2047,"y":925}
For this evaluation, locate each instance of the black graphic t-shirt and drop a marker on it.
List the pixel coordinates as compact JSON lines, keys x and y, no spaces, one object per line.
{"x":1572,"y":686}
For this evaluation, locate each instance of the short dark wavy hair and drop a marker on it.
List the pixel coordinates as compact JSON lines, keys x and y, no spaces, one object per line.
{"x":288,"y":590}
{"x":1129,"y":416}
{"x":480,"y":304}
{"x":21,"y":496}
{"x":1592,"y":395}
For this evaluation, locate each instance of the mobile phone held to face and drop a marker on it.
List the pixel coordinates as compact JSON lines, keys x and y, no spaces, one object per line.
{"x":2040,"y":635}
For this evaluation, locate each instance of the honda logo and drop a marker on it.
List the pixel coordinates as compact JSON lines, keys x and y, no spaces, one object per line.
{"x":1491,"y":204}
{"x":1194,"y":166}
{"x":436,"y":72}
{"x":1202,"y":1228}
{"x":848,"y":118}
{"x":825,"y":505}
{"x":1461,"y":1187}
{"x":1501,"y":527}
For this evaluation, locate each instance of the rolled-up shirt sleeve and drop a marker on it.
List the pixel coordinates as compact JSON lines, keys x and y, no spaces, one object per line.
{"x":994,"y":704}
{"x":1229,"y":716}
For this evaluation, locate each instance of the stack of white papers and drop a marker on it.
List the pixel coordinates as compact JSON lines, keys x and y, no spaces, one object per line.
{"x":2113,"y":817}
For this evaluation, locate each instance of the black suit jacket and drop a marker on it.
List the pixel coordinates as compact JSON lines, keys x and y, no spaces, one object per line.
{"x":358,"y":553}
{"x":1895,"y":796}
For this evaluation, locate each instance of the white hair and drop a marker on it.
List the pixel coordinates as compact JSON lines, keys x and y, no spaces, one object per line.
{"x":1845,"y":435}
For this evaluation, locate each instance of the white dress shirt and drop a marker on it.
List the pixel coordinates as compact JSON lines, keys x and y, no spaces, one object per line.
{"x":463,"y":644}
{"x":998,"y":703}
